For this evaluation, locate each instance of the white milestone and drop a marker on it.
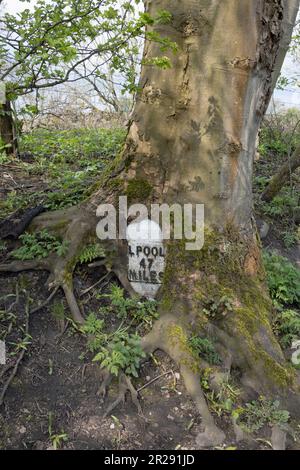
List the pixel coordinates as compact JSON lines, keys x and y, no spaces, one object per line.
{"x":146,"y":257}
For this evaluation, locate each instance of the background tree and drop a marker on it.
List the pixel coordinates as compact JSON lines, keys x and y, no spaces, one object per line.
{"x":64,"y":41}
{"x":192,"y":140}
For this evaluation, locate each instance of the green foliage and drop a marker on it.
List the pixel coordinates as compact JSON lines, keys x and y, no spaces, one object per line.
{"x":279,"y":134}
{"x":90,"y":253}
{"x":138,"y":311}
{"x":58,"y":310}
{"x":56,"y":439}
{"x":261,"y":181}
{"x":93,"y":325}
{"x":69,"y":162}
{"x":123,"y":352}
{"x":81,"y":146}
{"x":290,"y":238}
{"x":205,"y":348}
{"x":45,"y":43}
{"x":287,"y":325}
{"x":3,"y":246}
{"x":218,"y":307}
{"x":223,"y":401}
{"x":283,"y":279}
{"x":12,"y":202}
{"x":259,"y":413}
{"x":118,"y":351}
{"x":282,"y":205}
{"x":56,"y":154}
{"x":39,"y":245}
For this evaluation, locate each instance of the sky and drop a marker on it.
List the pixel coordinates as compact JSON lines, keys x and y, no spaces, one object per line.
{"x":288,"y":98}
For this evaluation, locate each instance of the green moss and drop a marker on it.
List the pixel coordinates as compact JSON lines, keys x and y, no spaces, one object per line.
{"x":215,"y":273}
{"x":180,"y":341}
{"x":138,"y":190}
{"x":115,"y":184}
{"x":282,"y":376}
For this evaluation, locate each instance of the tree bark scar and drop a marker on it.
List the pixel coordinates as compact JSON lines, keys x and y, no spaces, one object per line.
{"x":271,"y":32}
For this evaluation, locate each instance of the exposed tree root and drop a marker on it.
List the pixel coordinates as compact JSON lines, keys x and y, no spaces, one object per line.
{"x":161,"y":337}
{"x":125,"y":385}
{"x":168,"y":335}
{"x":244,"y":338}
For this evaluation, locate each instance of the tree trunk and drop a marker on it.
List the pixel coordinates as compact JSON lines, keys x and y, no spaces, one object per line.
{"x":8,"y":134}
{"x":282,"y":176}
{"x":192,"y":140}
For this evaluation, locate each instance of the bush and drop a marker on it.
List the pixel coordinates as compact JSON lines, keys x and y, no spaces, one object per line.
{"x":283,"y":279}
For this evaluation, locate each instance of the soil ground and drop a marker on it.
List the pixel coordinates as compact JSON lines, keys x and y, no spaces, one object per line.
{"x":53,"y":397}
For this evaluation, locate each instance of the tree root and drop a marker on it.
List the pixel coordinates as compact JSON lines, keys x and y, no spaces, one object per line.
{"x":253,"y":354}
{"x":160,"y":337}
{"x":125,"y":385}
{"x":76,"y":226}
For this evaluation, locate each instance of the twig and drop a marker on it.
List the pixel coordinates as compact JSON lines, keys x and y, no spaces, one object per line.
{"x":5,"y":369}
{"x":97,"y":264}
{"x":154,"y":380}
{"x":16,"y":300}
{"x":15,"y":369}
{"x":20,"y":358}
{"x":46,"y":301}
{"x":94,"y":285}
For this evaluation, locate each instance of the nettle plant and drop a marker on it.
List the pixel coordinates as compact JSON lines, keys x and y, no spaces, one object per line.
{"x":131,"y":308}
{"x":119,"y":350}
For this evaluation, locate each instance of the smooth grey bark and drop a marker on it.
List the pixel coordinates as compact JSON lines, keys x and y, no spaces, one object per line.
{"x":194,"y":127}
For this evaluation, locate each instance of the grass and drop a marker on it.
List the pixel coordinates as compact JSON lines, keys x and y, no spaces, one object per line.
{"x":64,"y":163}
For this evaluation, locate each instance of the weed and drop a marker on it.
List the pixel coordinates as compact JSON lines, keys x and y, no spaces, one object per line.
{"x":122,"y":352}
{"x":258,"y":413}
{"x":56,"y":439}
{"x":58,"y":310}
{"x":290,"y":238}
{"x":39,"y":245}
{"x":3,"y":246}
{"x":287,"y":326}
{"x":205,"y":348}
{"x":90,"y":253}
{"x":283,"y":204}
{"x":133,"y":308}
{"x":115,"y":351}
{"x":283,"y":279}
{"x":73,"y":145}
{"x":223,"y":401}
{"x":218,"y":307}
